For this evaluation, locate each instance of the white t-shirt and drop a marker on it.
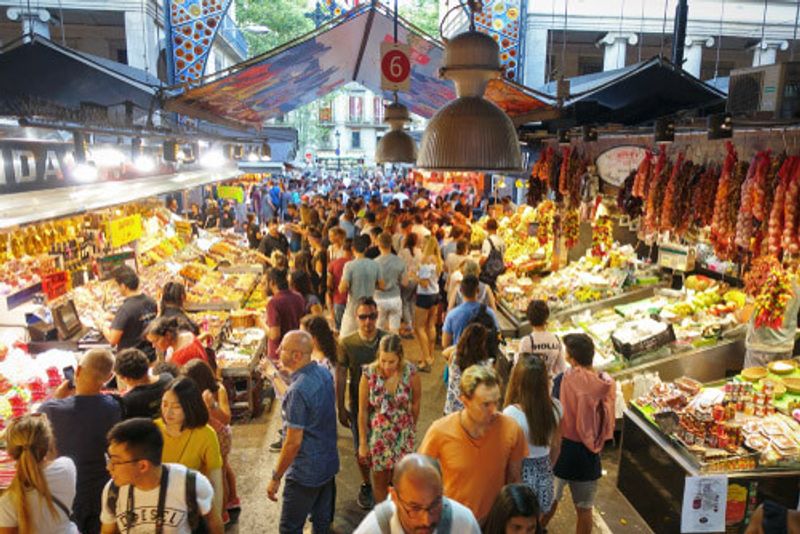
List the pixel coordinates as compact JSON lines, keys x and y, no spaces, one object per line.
{"x":60,"y":476}
{"x":534,"y":451}
{"x":498,"y":243}
{"x":463,"y":522}
{"x":427,"y":271}
{"x":548,"y":345}
{"x":146,"y":503}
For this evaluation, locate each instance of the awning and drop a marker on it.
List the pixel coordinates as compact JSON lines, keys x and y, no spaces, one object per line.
{"x":344,"y":50}
{"x":40,"y":77}
{"x":635,"y":94}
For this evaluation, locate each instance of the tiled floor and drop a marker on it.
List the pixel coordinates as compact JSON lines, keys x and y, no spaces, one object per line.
{"x":253,"y":464}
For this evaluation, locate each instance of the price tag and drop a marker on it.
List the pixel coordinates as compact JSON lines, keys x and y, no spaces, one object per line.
{"x":676,"y":257}
{"x":124,"y":230}
{"x":232,"y":192}
{"x":395,"y":67}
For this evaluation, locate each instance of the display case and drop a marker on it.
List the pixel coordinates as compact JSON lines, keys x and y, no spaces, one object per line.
{"x":653,"y":469}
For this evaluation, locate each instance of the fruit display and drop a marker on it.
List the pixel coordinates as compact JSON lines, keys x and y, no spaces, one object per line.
{"x":523,"y":251}
{"x":773,"y":298}
{"x":227,"y":291}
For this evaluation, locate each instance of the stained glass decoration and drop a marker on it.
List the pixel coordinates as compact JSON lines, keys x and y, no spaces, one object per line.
{"x":193,"y":25}
{"x":504,"y":20}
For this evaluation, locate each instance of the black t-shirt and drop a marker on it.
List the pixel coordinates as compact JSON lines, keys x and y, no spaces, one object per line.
{"x":270,"y":243}
{"x":252,"y":235}
{"x":132,"y":318}
{"x":145,"y":401}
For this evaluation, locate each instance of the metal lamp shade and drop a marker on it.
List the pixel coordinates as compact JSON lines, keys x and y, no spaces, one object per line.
{"x":470,"y":134}
{"x":396,"y":147}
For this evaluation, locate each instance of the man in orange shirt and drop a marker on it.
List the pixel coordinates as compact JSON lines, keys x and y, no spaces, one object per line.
{"x":480,"y":449}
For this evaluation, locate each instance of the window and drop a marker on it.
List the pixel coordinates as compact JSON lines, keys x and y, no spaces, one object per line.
{"x":356,"y":108}
{"x":377,"y":109}
{"x":355,"y":139}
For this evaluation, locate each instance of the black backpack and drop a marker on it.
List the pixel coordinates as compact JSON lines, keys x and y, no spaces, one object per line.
{"x":493,"y":341}
{"x":494,"y":266}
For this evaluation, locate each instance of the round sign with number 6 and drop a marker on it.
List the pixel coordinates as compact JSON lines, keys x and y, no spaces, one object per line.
{"x":396,"y":66}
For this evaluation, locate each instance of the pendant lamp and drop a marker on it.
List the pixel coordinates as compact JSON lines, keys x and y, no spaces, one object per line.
{"x":396,"y":146}
{"x":470,"y":133}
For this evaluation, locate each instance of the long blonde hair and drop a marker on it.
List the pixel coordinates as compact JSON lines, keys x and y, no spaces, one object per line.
{"x":431,"y":248}
{"x":28,"y":440}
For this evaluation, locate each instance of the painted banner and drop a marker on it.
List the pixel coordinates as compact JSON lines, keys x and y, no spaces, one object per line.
{"x":615,"y":164}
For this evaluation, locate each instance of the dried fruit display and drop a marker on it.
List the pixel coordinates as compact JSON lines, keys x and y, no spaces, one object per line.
{"x":778,"y":212}
{"x":756,"y":277}
{"x":744,"y":219}
{"x":773,"y":298}
{"x":571,"y":227}
{"x":723,"y":222}
{"x":642,"y":177}
{"x":671,"y":192}
{"x":563,"y":186}
{"x":791,"y":239}
{"x":655,"y":194}
{"x":703,"y":194}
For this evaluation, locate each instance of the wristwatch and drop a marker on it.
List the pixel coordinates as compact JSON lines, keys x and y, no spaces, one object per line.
{"x":275,"y":477}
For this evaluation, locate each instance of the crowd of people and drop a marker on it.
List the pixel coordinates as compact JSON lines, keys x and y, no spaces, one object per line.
{"x":361,"y":279}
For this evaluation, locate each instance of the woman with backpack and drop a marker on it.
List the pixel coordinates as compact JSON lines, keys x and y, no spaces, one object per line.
{"x":41,"y":493}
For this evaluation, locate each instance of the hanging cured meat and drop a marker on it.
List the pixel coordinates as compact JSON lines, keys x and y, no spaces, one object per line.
{"x":563,"y":186}
{"x":642,"y":177}
{"x":703,"y":194}
{"x":791,"y":219}
{"x":744,"y":221}
{"x":778,"y":212}
{"x":671,"y":193}
{"x":723,"y":222}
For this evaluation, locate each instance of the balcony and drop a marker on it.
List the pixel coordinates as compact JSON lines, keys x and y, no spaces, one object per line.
{"x":234,"y":37}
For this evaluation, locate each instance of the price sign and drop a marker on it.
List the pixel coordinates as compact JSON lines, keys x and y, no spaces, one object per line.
{"x":614,"y":165}
{"x":676,"y":257}
{"x":395,"y":67}
{"x":124,"y":230}
{"x":232,"y":192}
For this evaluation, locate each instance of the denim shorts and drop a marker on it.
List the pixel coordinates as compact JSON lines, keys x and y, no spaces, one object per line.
{"x":583,"y":492}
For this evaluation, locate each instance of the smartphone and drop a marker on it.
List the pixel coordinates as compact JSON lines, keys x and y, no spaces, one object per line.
{"x":69,"y":375}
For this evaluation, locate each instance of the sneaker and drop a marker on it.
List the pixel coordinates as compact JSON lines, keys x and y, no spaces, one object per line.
{"x":276,"y":446}
{"x":365,"y":499}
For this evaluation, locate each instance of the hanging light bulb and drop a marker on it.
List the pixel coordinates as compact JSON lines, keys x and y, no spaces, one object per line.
{"x":470,"y":133}
{"x":266,"y":151}
{"x":396,"y":146}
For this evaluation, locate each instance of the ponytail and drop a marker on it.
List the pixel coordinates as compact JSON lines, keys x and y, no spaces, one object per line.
{"x":29,"y":439}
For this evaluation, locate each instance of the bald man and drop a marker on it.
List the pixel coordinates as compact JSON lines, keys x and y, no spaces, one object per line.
{"x":81,"y":417}
{"x":309,"y":458}
{"x":417,"y":504}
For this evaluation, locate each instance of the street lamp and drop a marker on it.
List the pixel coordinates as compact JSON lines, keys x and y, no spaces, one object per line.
{"x":338,"y":135}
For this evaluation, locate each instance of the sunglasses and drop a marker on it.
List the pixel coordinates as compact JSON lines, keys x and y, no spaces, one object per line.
{"x":368,"y":316}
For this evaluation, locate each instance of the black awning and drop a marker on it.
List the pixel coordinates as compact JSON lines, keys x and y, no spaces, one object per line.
{"x":636,"y":94}
{"x":40,"y":77}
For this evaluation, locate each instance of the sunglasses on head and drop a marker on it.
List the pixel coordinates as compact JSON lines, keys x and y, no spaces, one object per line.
{"x":365,"y":316}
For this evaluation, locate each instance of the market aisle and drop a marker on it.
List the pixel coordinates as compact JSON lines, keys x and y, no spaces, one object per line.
{"x":252,"y":462}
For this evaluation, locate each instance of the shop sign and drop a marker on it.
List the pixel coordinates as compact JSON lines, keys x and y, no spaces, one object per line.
{"x":231,"y":192}
{"x":395,"y":67}
{"x":615,"y":164}
{"x":27,"y":166}
{"x":124,"y":230}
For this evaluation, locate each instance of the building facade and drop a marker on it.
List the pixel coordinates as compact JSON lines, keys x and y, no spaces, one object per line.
{"x":127,"y":31}
{"x":577,"y":37}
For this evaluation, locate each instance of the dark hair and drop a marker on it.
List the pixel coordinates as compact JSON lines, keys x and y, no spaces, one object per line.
{"x":462,"y":245}
{"x":141,"y":438}
{"x":195,"y":412}
{"x":131,"y":363}
{"x":171,"y":325}
{"x":411,"y":242}
{"x":202,"y":374}
{"x":491,"y":225}
{"x":301,"y":282}
{"x":361,"y":243}
{"x":302,"y":261}
{"x":273,"y":220}
{"x":471,"y":347}
{"x":514,"y":500}
{"x":320,"y":330}
{"x":366,"y":301}
{"x":376,"y":231}
{"x":370,"y":217}
{"x":172,"y":294}
{"x":347,"y":244}
{"x":127,"y":277}
{"x":278,"y":277}
{"x":580,"y":348}
{"x":470,"y":286}
{"x":169,"y":368}
{"x":529,"y":387}
{"x":538,"y":312}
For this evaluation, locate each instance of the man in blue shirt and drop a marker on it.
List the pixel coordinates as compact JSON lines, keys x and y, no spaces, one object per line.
{"x":462,"y":315}
{"x":81,"y":417}
{"x":275,"y":199}
{"x":309,"y":457}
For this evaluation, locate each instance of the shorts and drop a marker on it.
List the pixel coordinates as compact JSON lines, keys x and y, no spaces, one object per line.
{"x":426,"y":302}
{"x":390,"y":312}
{"x":537,"y":473}
{"x":583,"y":492}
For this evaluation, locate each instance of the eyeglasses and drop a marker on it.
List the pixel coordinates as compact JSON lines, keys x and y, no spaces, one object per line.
{"x":416,"y":509}
{"x":115,"y":463}
{"x":368,"y":316}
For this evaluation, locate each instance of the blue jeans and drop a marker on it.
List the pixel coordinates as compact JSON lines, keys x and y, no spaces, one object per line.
{"x":338,"y":313}
{"x":301,"y":501}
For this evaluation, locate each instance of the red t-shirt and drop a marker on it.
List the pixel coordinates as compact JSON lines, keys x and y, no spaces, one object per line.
{"x":192,"y":351}
{"x":336,"y":268}
{"x":284,"y":310}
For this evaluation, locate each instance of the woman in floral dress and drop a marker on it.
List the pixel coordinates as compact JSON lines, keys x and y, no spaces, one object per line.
{"x":389,"y":401}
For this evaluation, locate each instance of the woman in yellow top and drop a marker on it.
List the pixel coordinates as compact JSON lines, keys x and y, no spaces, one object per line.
{"x":188,"y":438}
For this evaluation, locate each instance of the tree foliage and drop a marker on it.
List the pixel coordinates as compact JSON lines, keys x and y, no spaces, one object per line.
{"x":285,"y":18}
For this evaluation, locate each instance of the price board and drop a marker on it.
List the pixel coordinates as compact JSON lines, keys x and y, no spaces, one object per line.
{"x":676,"y":257}
{"x":615,"y":164}
{"x":124,"y":230}
{"x":395,"y":67}
{"x":231,"y":192}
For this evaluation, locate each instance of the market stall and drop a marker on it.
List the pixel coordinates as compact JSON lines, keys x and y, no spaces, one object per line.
{"x":745,"y":428}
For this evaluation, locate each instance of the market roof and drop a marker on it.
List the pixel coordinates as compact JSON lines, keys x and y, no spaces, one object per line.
{"x":344,"y":50}
{"x":635,"y":94}
{"x":40,"y":77}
